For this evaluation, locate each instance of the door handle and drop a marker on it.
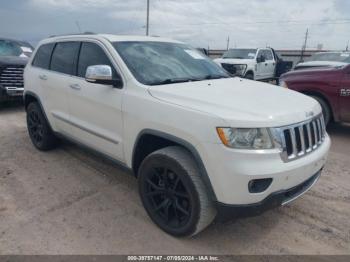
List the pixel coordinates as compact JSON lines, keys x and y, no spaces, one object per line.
{"x":43,"y":77}
{"x":75,"y":86}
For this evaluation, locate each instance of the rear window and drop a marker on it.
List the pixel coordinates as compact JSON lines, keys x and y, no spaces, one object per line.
{"x":42,"y":57}
{"x":64,"y":57}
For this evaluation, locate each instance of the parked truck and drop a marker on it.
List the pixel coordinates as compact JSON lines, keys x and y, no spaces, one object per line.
{"x":330,"y":86}
{"x":256,"y":63}
{"x":13,"y":58}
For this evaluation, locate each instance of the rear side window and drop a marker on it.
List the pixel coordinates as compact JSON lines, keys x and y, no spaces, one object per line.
{"x":92,"y":54}
{"x":64,"y":57}
{"x":42,"y":57}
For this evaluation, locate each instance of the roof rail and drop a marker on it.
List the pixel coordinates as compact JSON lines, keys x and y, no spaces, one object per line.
{"x":85,"y":33}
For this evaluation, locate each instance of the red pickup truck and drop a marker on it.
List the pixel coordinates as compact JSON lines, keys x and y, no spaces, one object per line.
{"x":329,"y":86}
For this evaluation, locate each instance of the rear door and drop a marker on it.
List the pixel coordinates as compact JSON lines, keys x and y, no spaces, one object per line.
{"x":96,"y":113}
{"x":344,"y":92}
{"x":62,"y":67}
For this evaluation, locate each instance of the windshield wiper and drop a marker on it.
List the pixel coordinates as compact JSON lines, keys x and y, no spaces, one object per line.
{"x":174,"y":81}
{"x":210,"y":77}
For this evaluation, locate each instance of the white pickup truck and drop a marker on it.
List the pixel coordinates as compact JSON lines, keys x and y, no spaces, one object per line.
{"x":256,"y":64}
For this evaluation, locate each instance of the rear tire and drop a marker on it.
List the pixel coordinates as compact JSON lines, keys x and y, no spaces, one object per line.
{"x":173,"y":193}
{"x":39,"y":129}
{"x":325,"y":109}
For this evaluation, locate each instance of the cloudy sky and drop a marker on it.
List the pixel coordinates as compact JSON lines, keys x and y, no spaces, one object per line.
{"x":248,"y":23}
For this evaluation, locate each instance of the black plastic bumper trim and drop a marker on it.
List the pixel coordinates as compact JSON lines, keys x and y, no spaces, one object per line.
{"x":229,"y":212}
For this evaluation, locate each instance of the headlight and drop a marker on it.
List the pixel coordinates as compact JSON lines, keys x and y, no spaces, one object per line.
{"x":283,"y":84}
{"x":245,"y":138}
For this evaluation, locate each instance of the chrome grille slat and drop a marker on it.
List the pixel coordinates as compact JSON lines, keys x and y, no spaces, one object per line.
{"x":315,"y":134}
{"x":12,"y":76}
{"x":319,"y":130}
{"x":294,"y":143}
{"x":300,"y":139}
{"x":309,"y":136}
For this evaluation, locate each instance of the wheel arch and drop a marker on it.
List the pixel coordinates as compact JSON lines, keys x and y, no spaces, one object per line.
{"x":250,"y":71}
{"x":323,"y":97}
{"x":30,"y":97}
{"x":149,"y":140}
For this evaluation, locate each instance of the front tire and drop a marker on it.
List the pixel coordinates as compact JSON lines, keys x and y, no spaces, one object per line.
{"x":173,"y":193}
{"x":39,"y":129}
{"x":249,"y":76}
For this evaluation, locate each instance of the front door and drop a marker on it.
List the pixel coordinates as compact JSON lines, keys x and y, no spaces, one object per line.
{"x":96,"y":109}
{"x":269,"y":64}
{"x":261,"y":67}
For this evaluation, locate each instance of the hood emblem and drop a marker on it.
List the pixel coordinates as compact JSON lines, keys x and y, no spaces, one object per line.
{"x":309,"y":114}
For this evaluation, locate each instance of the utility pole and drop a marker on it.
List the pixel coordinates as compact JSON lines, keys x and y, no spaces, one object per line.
{"x":78,"y":25}
{"x":228,"y":42}
{"x":147,"y":22}
{"x":304,"y":46}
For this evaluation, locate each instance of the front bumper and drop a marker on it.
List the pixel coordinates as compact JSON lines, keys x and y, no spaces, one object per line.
{"x":230,"y":171}
{"x":280,"y":198}
{"x":8,"y":93}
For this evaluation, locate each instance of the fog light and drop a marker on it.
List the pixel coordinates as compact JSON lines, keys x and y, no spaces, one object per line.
{"x":259,"y":185}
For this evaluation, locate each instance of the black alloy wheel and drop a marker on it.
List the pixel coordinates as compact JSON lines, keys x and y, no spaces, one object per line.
{"x":39,"y":129}
{"x":35,"y":127}
{"x":173,"y":192}
{"x":168,"y":197}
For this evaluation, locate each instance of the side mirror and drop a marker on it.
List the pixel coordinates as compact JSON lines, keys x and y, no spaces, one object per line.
{"x":102,"y":74}
{"x":260,"y":59}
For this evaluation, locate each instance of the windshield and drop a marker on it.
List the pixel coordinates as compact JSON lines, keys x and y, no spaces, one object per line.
{"x":331,"y":57}
{"x":240,"y":53}
{"x":156,"y":63}
{"x":10,"y":48}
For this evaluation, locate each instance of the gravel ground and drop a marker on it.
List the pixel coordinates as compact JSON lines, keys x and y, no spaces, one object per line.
{"x":69,"y":201}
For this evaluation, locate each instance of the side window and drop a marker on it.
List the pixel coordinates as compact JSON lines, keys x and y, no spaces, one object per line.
{"x":43,"y":55}
{"x":261,"y":53}
{"x":92,"y":54}
{"x":64,"y":57}
{"x":268,"y":55}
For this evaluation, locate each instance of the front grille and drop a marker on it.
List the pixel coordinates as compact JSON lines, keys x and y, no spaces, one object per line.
{"x":229,"y":68}
{"x":12,"y":77}
{"x":300,"y":139}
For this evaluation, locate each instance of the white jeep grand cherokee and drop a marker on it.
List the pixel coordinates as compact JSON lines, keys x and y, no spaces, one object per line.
{"x":202,"y":144}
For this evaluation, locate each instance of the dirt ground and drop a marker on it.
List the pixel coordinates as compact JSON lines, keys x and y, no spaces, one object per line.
{"x":68,"y":201}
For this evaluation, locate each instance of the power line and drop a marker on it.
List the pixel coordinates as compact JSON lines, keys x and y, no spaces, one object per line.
{"x":289,"y":22}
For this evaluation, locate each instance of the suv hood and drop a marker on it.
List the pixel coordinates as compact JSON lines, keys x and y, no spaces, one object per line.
{"x":13,"y":60}
{"x":234,"y":61}
{"x":240,"y":102}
